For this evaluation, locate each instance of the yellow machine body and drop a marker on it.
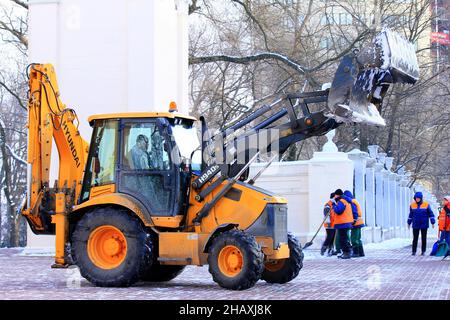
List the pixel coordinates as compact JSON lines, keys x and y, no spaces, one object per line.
{"x":180,"y":242}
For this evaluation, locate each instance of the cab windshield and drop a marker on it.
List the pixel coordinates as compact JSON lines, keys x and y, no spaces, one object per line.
{"x":186,"y":138}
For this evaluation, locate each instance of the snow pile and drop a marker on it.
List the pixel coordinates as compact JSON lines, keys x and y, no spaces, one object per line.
{"x":38,"y":252}
{"x":396,"y":243}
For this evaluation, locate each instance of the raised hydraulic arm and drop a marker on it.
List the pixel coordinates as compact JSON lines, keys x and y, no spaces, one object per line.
{"x":50,"y":120}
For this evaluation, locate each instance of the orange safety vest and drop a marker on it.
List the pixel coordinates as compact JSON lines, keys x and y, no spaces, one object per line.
{"x":332,"y":214}
{"x":360,"y":220}
{"x":346,"y":216}
{"x":444,"y":221}
{"x":424,"y":205}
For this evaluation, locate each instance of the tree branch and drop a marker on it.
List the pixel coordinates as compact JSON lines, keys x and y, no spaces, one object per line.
{"x":21,"y":3}
{"x":15,"y":95}
{"x":16,"y":33}
{"x":253,"y":18}
{"x":15,"y":156}
{"x":251,"y":58}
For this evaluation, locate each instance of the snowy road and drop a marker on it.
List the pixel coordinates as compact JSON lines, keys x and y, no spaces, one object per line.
{"x":387,"y":272}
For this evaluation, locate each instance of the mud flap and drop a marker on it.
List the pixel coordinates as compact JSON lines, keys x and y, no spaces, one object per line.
{"x":363,"y":78}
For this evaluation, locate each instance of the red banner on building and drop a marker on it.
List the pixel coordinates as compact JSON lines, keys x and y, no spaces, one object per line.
{"x":440,"y":37}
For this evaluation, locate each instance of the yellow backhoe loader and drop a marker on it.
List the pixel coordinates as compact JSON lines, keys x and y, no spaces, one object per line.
{"x":145,"y":198}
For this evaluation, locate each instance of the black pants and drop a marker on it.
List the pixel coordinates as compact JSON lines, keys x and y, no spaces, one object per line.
{"x":329,"y":240}
{"x":343,"y":240}
{"x":416,"y":239}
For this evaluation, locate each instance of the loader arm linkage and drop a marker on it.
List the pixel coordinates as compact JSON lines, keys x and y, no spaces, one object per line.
{"x":355,"y":96}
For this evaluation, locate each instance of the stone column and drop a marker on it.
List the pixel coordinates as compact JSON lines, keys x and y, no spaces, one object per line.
{"x":392,"y":194}
{"x":327,"y":171}
{"x":409,"y":199}
{"x":359,"y":159}
{"x":379,"y":201}
{"x":385,"y":199}
{"x":405,"y":205}
{"x":399,"y":206}
{"x":370,"y":199}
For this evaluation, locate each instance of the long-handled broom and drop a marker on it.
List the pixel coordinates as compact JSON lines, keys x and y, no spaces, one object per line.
{"x":310,"y":243}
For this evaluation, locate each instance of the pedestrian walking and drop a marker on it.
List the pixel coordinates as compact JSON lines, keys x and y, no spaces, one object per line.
{"x":420,"y":214}
{"x":328,"y":211}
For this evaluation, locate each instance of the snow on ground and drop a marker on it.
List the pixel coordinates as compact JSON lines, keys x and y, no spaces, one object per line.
{"x":387,"y":272}
{"x":37,"y":252}
{"x":396,"y":243}
{"x":390,"y":244}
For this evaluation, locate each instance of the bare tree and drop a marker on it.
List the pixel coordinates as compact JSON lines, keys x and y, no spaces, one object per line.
{"x":13,"y":136}
{"x":282,"y":44}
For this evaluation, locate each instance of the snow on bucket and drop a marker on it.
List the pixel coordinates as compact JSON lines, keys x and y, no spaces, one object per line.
{"x":363,"y":78}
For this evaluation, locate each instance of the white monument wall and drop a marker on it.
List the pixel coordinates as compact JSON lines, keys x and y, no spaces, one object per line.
{"x":112,"y":56}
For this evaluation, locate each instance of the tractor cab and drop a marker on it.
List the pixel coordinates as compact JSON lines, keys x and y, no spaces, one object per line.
{"x":147,"y":156}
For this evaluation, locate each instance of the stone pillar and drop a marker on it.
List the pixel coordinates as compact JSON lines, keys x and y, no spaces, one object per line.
{"x":392,"y":199}
{"x":327,"y":171}
{"x":359,"y":159}
{"x":392,"y":204}
{"x":378,"y":197}
{"x":405,"y":206}
{"x":409,"y":199}
{"x":370,"y":199}
{"x":399,"y":206}
{"x":386,"y":198}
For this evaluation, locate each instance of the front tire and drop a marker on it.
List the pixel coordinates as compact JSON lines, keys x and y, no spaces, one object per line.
{"x":285,"y":270}
{"x":111,"y":247}
{"x":235,"y":260}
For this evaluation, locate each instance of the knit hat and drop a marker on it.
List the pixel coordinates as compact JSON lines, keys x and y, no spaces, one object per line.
{"x":339,"y":192}
{"x":447,"y":198}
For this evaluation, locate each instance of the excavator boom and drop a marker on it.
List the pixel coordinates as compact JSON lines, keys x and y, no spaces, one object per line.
{"x":50,"y":120}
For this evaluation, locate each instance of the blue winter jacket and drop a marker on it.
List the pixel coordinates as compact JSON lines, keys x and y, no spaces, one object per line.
{"x":339,"y":208}
{"x":349,"y":195}
{"x":420,"y":213}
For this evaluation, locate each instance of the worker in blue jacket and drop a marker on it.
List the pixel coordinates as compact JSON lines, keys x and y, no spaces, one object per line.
{"x":355,"y":233}
{"x":345,"y":217}
{"x":420,"y":214}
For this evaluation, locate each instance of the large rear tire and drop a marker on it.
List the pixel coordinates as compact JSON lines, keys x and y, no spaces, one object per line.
{"x":285,"y":270}
{"x":111,"y":247}
{"x":235,"y":260}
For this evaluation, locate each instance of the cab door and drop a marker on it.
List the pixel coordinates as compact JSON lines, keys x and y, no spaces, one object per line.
{"x":146,"y":170}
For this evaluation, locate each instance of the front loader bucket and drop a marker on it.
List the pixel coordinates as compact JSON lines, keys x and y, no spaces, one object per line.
{"x":362,"y":79}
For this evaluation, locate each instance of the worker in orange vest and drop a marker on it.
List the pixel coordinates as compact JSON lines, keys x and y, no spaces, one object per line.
{"x":444,"y":220}
{"x":343,"y":221}
{"x":329,"y":226}
{"x":355,"y":233}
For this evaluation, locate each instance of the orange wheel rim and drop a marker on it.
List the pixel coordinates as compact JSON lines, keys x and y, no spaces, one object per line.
{"x":107,"y":247}
{"x":230,"y":261}
{"x":275,"y":266}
